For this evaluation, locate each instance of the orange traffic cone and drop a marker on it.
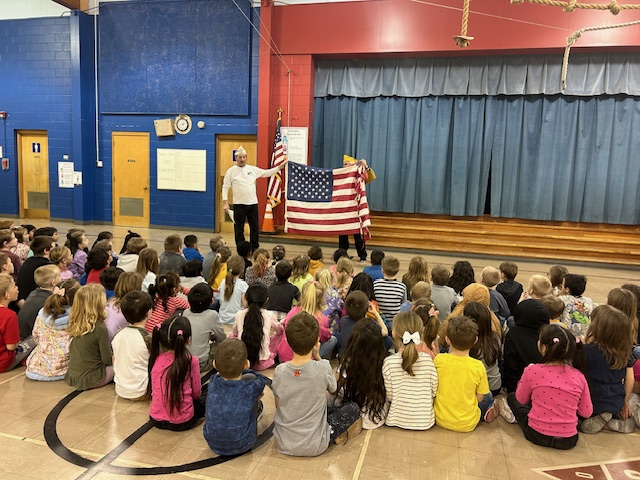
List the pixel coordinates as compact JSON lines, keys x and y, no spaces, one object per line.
{"x":267,"y":223}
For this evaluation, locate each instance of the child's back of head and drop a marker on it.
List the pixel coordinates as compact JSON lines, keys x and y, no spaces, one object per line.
{"x":173,"y":243}
{"x":192,"y":269}
{"x":59,"y":303}
{"x":109,"y":277}
{"x":216,"y":242}
{"x":461,"y":276}
{"x":421,"y":290}
{"x":440,"y":275}
{"x":190,"y":241}
{"x":575,"y":284}
{"x":488,"y":344}
{"x":98,"y":259}
{"x":136,"y":245}
{"x":338,"y":254}
{"x":88,"y":309}
{"x":47,"y":276}
{"x":235,"y":267}
{"x":556,"y":276}
{"x":231,"y":358}
{"x":244,"y":249}
{"x":609,"y":330}
{"x":390,"y":266}
{"x":166,"y":286}
{"x":356,"y":305}
{"x":559,"y":346}
{"x":509,"y":270}
{"x":462,"y":332}
{"x":539,"y":286}
{"x":315,"y":253}
{"x":283,"y":270}
{"x":200,"y":297}
{"x":40,"y":245}
{"x":361,"y":282}
{"x":302,"y":333}
{"x":300,"y":267}
{"x":376,"y":257}
{"x":490,"y":276}
{"x":407,"y":332}
{"x":554,"y":305}
{"x":426,"y":310}
{"x":278,"y":253}
{"x":136,"y":306}
{"x":147,"y":261}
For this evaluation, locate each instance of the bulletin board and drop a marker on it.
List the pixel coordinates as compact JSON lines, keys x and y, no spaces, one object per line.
{"x":184,"y":170}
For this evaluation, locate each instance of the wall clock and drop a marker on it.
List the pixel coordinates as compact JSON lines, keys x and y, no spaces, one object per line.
{"x":183,"y":124}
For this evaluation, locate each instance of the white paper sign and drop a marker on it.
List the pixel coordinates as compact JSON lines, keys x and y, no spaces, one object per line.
{"x":77,"y":178}
{"x":182,"y":170}
{"x":296,"y":143}
{"x":65,"y":174}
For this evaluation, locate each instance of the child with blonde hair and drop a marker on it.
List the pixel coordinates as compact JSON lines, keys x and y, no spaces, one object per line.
{"x":115,"y":320}
{"x":332,"y":301}
{"x":490,"y":277}
{"x":49,"y":360}
{"x":46,"y":278}
{"x":261,"y":271}
{"x":232,"y":290}
{"x":418,"y":272}
{"x":311,"y":302}
{"x":219,"y":268}
{"x":61,"y":257}
{"x":147,"y":267}
{"x":410,"y":377}
{"x":300,"y":271}
{"x":344,"y":271}
{"x":539,"y":286}
{"x":90,"y":352}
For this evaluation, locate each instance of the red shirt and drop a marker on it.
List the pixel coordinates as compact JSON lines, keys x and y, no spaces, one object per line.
{"x":9,"y":334}
{"x":159,"y":314}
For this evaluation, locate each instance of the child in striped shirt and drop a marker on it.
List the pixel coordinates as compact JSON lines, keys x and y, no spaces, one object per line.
{"x":165,"y":299}
{"x":410,"y":377}
{"x":389,"y":292}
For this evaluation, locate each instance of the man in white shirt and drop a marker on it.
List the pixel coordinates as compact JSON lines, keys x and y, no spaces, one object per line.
{"x":242,"y":179}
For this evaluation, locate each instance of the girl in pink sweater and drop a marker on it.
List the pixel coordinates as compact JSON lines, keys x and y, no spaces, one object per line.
{"x":551,"y":394}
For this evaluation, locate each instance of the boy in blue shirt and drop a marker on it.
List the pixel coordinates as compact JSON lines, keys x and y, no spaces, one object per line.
{"x":375,"y":270}
{"x":233,"y":405}
{"x":191,"y":250}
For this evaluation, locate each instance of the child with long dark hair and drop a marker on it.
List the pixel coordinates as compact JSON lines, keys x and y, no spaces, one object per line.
{"x":551,"y":394}
{"x":609,"y":370}
{"x":78,"y":244}
{"x":360,"y":379}
{"x":488,"y":348}
{"x":165,"y":299}
{"x":254,"y":326}
{"x":462,"y":276}
{"x":177,"y":399}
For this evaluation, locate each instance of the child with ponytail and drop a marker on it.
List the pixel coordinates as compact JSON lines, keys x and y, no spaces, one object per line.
{"x":78,"y":244}
{"x":551,"y":394}
{"x":232,"y":290}
{"x":255,"y":326}
{"x":50,"y":358}
{"x":177,"y":399}
{"x":410,"y":377}
{"x":219,"y":268}
{"x":165,"y":299}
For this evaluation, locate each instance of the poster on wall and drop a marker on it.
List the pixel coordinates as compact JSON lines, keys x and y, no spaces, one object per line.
{"x":65,"y":174}
{"x":182,"y":169}
{"x":295,"y":141}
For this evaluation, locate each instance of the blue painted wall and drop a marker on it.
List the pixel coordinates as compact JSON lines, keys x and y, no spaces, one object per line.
{"x":35,"y":91}
{"x":168,"y":207}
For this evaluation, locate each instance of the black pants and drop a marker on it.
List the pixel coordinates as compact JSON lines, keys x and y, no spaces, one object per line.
{"x":250,"y":214}
{"x":521,"y":413}
{"x":343,"y":242}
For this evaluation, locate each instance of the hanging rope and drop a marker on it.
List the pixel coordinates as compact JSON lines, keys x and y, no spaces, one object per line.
{"x":463,"y":40}
{"x":571,"y":5}
{"x":574,"y":38}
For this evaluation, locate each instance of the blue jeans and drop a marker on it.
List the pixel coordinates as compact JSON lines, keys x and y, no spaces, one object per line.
{"x":327,"y":348}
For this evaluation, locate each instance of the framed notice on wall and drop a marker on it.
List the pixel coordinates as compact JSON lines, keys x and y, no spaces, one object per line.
{"x":296,"y":142}
{"x":182,"y":170}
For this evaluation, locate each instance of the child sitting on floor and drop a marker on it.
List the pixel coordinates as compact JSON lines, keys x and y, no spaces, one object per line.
{"x":303,"y":425}
{"x":233,"y":405}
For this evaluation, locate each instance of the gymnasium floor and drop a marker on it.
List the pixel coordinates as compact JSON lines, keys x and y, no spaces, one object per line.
{"x":95,"y":424}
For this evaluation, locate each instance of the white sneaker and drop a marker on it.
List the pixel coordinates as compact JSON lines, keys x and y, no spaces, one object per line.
{"x":505,"y":410}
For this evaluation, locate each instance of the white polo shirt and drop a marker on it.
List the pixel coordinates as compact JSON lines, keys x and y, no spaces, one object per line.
{"x":243,"y":182}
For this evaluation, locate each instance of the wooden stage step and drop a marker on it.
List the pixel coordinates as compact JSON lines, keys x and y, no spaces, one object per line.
{"x":557,"y":241}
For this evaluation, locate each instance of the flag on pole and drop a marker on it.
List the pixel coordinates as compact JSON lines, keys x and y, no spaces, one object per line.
{"x":274,"y":190}
{"x":326,"y":202}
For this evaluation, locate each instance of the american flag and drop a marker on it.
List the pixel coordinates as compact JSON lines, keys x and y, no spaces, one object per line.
{"x":326,"y":202}
{"x":274,"y":190}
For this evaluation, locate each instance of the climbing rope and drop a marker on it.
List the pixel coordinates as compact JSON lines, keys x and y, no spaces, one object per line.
{"x":463,"y":40}
{"x":573,"y":38}
{"x":571,"y":5}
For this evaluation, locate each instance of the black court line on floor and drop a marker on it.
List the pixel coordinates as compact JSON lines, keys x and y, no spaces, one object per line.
{"x":104,"y":464}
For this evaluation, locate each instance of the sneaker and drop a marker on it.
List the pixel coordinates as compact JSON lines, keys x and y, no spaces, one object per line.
{"x":627,"y":425}
{"x":492,"y":412}
{"x":505,"y":410}
{"x":354,"y":430}
{"x":595,"y":424}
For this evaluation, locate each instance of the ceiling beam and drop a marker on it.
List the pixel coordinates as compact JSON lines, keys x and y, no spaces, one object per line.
{"x":70,"y":4}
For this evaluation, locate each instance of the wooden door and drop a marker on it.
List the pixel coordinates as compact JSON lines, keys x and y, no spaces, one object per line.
{"x":225,"y":146}
{"x":33,"y":174}
{"x":130,"y":154}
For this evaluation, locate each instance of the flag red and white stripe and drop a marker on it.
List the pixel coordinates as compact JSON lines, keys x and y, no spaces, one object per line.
{"x":274,"y":190}
{"x":326,"y":202}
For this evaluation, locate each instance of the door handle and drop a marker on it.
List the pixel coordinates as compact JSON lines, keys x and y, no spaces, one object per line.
{"x":144,"y":188}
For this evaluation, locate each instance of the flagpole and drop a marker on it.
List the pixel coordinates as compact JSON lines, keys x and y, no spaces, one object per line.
{"x":274,"y":189}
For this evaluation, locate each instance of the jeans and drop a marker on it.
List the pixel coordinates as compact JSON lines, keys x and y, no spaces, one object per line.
{"x":484,"y":405}
{"x":327,"y":348}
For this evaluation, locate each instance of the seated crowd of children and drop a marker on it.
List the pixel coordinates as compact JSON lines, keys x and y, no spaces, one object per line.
{"x":438,"y":347}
